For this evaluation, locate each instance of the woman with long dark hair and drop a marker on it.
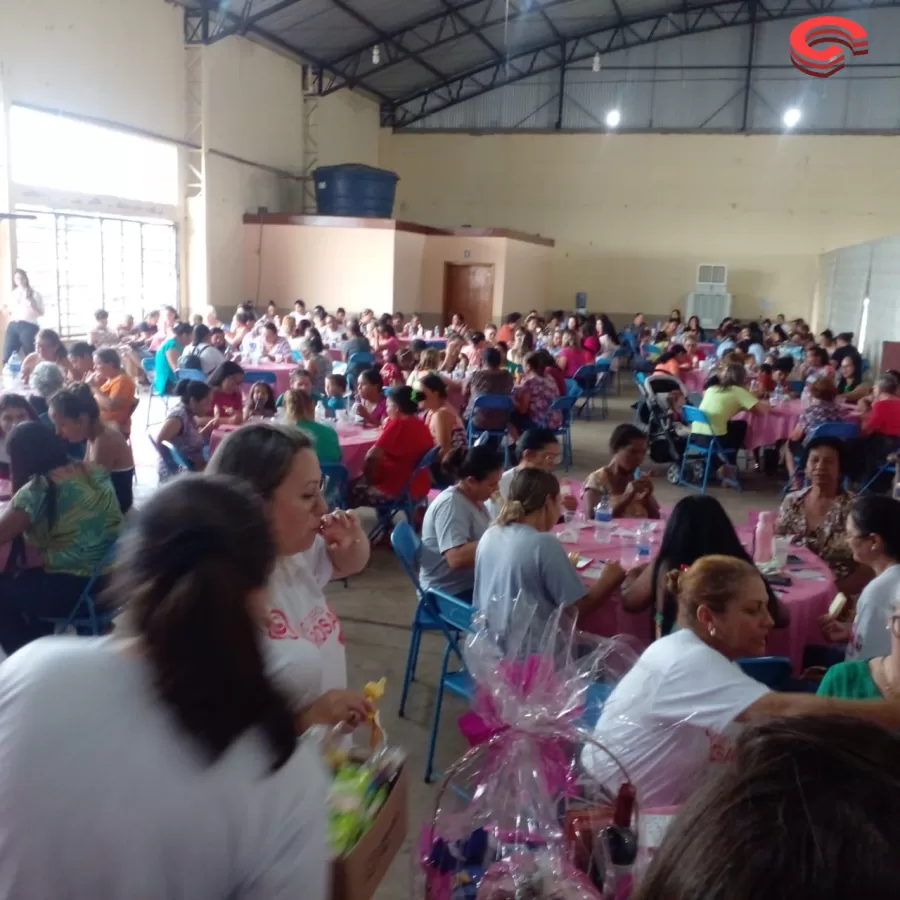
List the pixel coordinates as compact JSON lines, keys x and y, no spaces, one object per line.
{"x":27,"y":308}
{"x":190,"y":781}
{"x":69,"y":512}
{"x":698,"y":526}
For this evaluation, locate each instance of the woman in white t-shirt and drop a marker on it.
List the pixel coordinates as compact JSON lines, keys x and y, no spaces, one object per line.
{"x":163,"y":762}
{"x":26,"y":308}
{"x":305,"y":645}
{"x":873,"y":534}
{"x":676,"y":714}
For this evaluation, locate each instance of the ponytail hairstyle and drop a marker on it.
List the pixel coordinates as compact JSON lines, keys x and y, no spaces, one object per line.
{"x":190,"y":390}
{"x":528,"y":493}
{"x":712,"y":581}
{"x":187,"y":566}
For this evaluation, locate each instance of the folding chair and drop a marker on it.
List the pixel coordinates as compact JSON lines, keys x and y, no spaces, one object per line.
{"x":586,"y":378}
{"x":691,"y":415}
{"x":250,"y":377}
{"x":403,"y":502}
{"x":436,"y":611}
{"x":149,"y":367}
{"x":178,"y":459}
{"x":338,"y":480}
{"x":796,"y":386}
{"x":565,"y":405}
{"x":491,"y":402}
{"x":85,"y":618}
{"x":600,"y":388}
{"x":772,"y":671}
{"x":888,"y":468}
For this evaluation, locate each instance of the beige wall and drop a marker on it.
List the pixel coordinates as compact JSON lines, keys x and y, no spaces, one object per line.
{"x":633,"y":215}
{"x":529,"y":276}
{"x":254,"y":111}
{"x":349,"y":267}
{"x":409,"y":264}
{"x":345,"y":129}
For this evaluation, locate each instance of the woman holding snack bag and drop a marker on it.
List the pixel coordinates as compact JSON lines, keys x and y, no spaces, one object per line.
{"x":305,"y":647}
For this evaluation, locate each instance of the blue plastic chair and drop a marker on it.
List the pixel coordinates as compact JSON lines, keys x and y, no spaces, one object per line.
{"x":265,"y":377}
{"x":179,"y":460}
{"x":772,"y":671}
{"x":844,"y":431}
{"x":691,"y":415}
{"x":149,"y":367}
{"x":403,"y":502}
{"x":866,"y":365}
{"x":338,"y":482}
{"x":565,"y":405}
{"x":491,"y":401}
{"x":436,"y":611}
{"x":796,"y":386}
{"x":356,"y":364}
{"x":85,"y":618}
{"x":190,"y":375}
{"x":297,"y":356}
{"x":888,"y":468}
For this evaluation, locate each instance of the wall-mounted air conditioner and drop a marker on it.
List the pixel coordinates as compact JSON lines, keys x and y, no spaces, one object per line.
{"x":710,"y":300}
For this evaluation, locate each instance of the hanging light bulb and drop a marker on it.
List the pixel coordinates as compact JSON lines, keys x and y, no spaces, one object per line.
{"x":376,"y":55}
{"x":596,"y":65}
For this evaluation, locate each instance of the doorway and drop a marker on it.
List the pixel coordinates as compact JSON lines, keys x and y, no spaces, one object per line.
{"x":469,"y":291}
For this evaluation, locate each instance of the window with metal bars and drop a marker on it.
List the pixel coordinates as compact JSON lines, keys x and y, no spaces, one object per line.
{"x":80,"y":263}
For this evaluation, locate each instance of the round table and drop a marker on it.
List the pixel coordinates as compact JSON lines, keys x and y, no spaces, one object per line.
{"x":777,"y":424}
{"x":807,"y":598}
{"x":355,"y":442}
{"x":282,"y":372}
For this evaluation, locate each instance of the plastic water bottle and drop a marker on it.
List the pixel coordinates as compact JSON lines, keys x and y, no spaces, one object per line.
{"x":603,"y":510}
{"x":764,"y":538}
{"x":11,"y":372}
{"x":643,"y":542}
{"x":321,"y":413}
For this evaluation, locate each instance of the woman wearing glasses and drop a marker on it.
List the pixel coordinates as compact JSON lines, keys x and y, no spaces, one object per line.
{"x":872,"y":666}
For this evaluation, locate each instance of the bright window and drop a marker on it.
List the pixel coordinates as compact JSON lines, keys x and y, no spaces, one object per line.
{"x":60,"y":153}
{"x":79,"y":264}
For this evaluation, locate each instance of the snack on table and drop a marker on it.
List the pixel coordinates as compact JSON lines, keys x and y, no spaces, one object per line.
{"x":574,"y":556}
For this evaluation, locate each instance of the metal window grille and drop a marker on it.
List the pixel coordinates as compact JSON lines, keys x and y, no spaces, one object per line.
{"x":81,"y":263}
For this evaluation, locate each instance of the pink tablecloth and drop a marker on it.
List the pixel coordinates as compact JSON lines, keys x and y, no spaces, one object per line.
{"x":282,"y":372}
{"x":806,"y":599}
{"x":694,"y":379}
{"x":354,"y":440}
{"x":708,"y":349}
{"x":336,"y":354}
{"x":776,"y":425}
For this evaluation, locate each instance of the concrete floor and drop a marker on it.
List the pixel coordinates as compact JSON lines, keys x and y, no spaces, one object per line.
{"x":378,"y":605}
{"x":377,"y":608}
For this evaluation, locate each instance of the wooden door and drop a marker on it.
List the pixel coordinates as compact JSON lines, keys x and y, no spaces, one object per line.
{"x":469,"y":291}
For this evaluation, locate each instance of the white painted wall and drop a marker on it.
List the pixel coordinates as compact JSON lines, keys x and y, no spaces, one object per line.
{"x":119,"y":60}
{"x":254,"y":110}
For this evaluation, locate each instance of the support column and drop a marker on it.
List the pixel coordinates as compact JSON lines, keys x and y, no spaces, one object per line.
{"x":7,"y":225}
{"x":311,"y":88}
{"x":195,"y":296}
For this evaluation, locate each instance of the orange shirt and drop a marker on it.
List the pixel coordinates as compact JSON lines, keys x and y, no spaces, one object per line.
{"x":121,"y":389}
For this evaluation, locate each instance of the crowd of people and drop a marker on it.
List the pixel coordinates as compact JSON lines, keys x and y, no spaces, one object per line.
{"x":226,"y":651}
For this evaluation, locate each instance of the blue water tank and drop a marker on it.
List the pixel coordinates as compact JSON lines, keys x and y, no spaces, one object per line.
{"x":355,"y":190}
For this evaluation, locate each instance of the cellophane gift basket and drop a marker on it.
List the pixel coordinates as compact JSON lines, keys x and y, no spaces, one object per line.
{"x":517,"y":817}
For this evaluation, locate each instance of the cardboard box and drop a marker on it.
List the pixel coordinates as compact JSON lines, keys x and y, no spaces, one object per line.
{"x":357,"y":875}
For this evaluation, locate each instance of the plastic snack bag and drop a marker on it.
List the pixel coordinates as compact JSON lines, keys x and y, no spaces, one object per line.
{"x":517,"y":816}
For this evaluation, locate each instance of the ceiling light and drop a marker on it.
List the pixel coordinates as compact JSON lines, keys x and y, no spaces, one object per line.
{"x":376,"y":55}
{"x":596,"y":65}
{"x":791,"y":117}
{"x":613,"y":117}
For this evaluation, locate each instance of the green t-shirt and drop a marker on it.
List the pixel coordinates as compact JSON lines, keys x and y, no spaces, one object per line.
{"x":87,"y":521}
{"x":325,"y":441}
{"x":850,"y":681}
{"x":720,"y":405}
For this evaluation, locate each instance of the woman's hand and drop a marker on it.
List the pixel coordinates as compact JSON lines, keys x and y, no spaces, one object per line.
{"x":834,"y":631}
{"x":347,"y":708}
{"x":570,"y":502}
{"x":642,"y":487}
{"x":340,"y":530}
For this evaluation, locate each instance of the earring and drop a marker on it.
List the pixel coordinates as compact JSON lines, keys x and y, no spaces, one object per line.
{"x":712,"y":632}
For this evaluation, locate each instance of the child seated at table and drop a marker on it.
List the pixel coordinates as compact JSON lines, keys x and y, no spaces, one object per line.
{"x":371,"y":404}
{"x":335,"y":394}
{"x":630,"y":495}
{"x":260,"y":402}
{"x":301,"y":381}
{"x":227,"y":401}
{"x":299,"y":410}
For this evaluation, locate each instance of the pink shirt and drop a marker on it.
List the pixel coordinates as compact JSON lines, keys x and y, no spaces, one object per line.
{"x":573,"y":359}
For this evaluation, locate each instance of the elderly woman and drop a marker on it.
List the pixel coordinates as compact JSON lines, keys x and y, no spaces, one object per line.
{"x":816,"y":516}
{"x":533,"y":396}
{"x":822,"y":409}
{"x":46,"y":379}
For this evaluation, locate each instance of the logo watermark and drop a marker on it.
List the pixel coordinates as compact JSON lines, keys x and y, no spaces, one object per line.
{"x":822,"y":62}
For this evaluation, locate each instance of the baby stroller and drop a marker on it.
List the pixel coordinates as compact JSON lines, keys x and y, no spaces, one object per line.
{"x":656,"y":414}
